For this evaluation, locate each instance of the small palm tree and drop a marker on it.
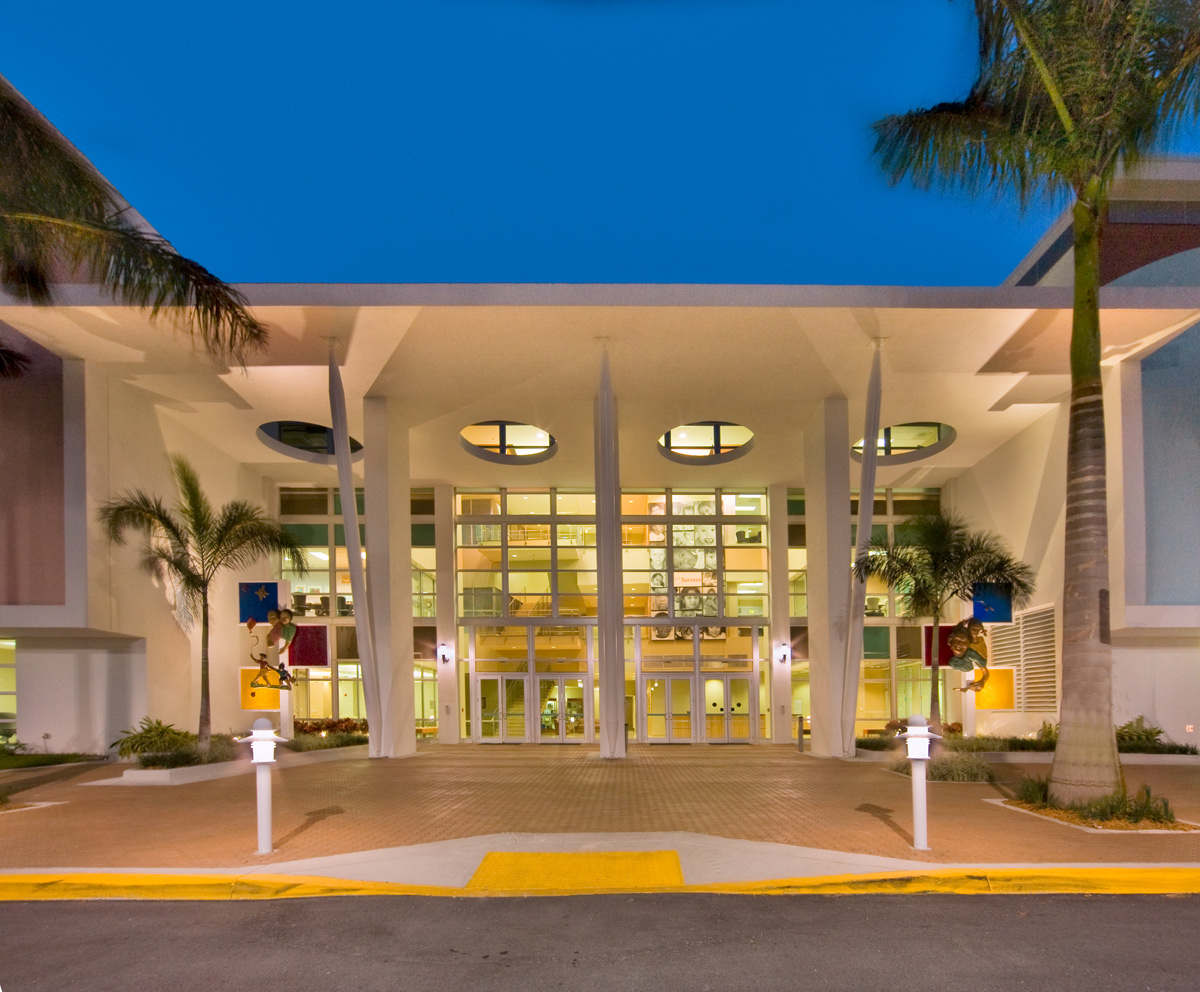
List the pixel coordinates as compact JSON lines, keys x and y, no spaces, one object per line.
{"x":189,"y":544}
{"x":934,"y":560}
{"x":1068,"y":92}
{"x":58,"y":216}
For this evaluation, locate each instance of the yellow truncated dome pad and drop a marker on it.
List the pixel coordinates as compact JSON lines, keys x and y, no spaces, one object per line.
{"x":523,"y":871}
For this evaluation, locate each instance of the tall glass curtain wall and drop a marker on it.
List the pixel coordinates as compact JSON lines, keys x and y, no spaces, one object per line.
{"x":322,"y":596}
{"x":8,"y":691}
{"x":895,"y":681}
{"x":695,"y":605}
{"x":695,"y":570}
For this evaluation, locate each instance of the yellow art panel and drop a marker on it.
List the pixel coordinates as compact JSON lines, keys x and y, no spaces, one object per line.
{"x":258,"y":697}
{"x":998,"y":694}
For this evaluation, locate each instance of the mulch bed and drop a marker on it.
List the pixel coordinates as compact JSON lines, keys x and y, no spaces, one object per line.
{"x":1070,"y":816}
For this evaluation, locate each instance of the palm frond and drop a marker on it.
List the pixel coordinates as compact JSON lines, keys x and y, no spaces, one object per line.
{"x":12,"y":363}
{"x":243,"y":533}
{"x":1066,"y":90}
{"x":139,"y":511}
{"x":58,"y":214}
{"x":958,"y":145}
{"x":192,"y":504}
{"x":139,"y":269}
{"x":937,"y":558}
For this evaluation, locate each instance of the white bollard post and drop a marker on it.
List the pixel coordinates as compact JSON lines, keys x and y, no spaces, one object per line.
{"x":262,"y":749}
{"x":262,"y":781}
{"x":917,"y":739}
{"x":920,"y":812}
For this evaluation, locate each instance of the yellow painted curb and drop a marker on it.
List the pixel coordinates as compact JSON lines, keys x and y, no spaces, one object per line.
{"x":1000,"y":881}
{"x":1112,"y":881}
{"x":100,"y":885}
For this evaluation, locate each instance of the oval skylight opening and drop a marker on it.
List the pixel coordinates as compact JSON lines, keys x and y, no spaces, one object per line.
{"x":903,"y":443}
{"x":308,"y":442}
{"x":508,"y":442}
{"x":709,"y":442}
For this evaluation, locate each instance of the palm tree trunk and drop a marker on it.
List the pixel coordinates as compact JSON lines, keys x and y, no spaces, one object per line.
{"x":1085,"y":761}
{"x":205,"y":713}
{"x":935,"y":701}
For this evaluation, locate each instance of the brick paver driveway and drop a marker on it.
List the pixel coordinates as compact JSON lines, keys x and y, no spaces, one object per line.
{"x":761,"y":793}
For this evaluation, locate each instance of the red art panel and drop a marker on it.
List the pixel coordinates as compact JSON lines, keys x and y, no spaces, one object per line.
{"x":944,"y":652}
{"x":310,"y":647}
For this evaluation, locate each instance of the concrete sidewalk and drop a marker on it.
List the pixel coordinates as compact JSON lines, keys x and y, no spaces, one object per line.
{"x":735,"y":818}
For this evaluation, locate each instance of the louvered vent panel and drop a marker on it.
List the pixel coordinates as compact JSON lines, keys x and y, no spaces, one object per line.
{"x":1039,"y":678}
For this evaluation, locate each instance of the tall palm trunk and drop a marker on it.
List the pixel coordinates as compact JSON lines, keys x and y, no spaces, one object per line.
{"x":1085,"y":762}
{"x":205,"y":713}
{"x":935,"y":700}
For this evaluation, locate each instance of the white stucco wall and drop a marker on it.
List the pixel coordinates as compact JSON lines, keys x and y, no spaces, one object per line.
{"x":1019,"y":492}
{"x":130,"y":436}
{"x":79,"y":694}
{"x":1160,"y":680}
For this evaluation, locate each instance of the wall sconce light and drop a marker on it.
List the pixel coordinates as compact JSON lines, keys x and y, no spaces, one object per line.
{"x":785,"y":653}
{"x":444,"y":654}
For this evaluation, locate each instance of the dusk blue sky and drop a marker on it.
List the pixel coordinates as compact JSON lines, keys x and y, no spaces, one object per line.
{"x":708,"y":141}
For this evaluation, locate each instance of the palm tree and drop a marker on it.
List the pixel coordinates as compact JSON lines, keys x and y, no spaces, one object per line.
{"x":58,"y":217}
{"x":189,"y":544}
{"x":934,"y":560}
{"x":1068,"y":91}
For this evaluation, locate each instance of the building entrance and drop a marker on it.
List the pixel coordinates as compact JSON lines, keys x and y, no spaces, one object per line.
{"x":562,"y":710}
{"x":668,"y":706}
{"x":729,"y":706}
{"x":500,"y":704}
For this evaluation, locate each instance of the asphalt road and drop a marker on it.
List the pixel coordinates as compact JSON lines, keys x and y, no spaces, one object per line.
{"x":675,"y":943}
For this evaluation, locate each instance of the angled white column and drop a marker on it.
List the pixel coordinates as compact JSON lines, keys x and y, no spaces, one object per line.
{"x":866,"y":512}
{"x":827,"y":516}
{"x":610,"y":609}
{"x":373,"y":691}
{"x":780,"y":674}
{"x":389,"y":564}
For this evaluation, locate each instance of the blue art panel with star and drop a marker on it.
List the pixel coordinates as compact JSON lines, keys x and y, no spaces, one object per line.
{"x":256,"y":600}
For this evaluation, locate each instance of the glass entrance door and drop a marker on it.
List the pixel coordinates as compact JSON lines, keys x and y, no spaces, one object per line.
{"x":728,"y":709}
{"x":668,"y":702}
{"x":561,"y":705}
{"x":501,"y":709}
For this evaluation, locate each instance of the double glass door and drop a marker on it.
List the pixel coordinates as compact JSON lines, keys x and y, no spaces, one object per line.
{"x":668,"y":709}
{"x":561,"y":710}
{"x":728,"y":709}
{"x":501,"y":709}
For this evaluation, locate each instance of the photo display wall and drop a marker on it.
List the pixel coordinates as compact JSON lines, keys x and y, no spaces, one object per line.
{"x":684,"y":556}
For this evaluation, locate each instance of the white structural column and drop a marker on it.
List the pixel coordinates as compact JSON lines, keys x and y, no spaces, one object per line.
{"x":389,"y":562}
{"x":827,"y":516}
{"x":610,"y":608}
{"x":866,"y":512}
{"x":449,"y":705}
{"x":780,"y":675}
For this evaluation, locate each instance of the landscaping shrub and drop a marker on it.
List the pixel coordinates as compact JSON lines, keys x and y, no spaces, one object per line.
{"x":346,"y":725}
{"x":985,"y":742}
{"x":153,"y":737}
{"x":1142,"y":805}
{"x":875,"y":743}
{"x":1136,"y":732}
{"x":222,"y":747}
{"x":318,"y":742}
{"x":950,"y":766}
{"x":35,"y":759}
{"x":1048,"y":732}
